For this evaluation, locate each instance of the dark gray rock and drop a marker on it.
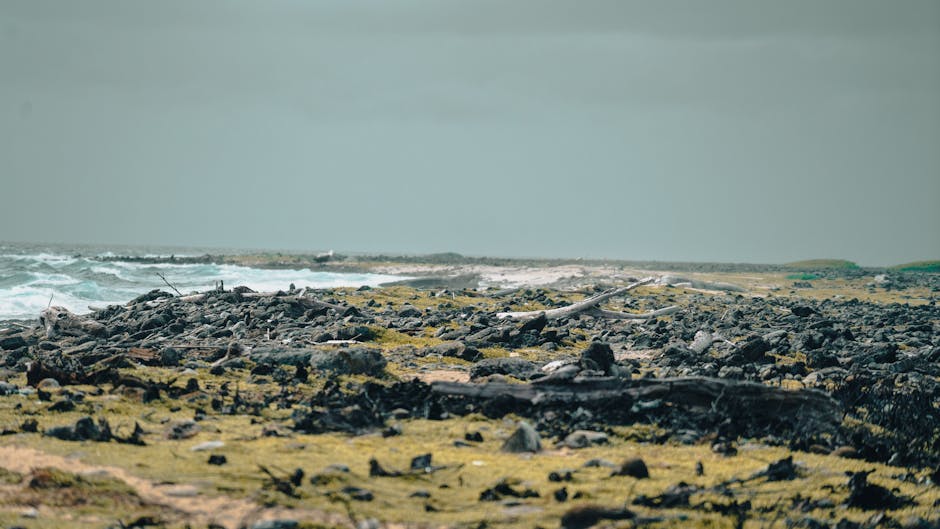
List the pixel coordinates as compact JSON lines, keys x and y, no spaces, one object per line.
{"x":753,"y":349}
{"x":12,"y":342}
{"x":280,"y":356}
{"x":514,"y":367}
{"x":276,"y":524}
{"x":454,"y":350}
{"x":584,"y":439}
{"x":635,"y":468}
{"x":351,"y":361}
{"x":598,"y":357}
{"x":524,"y":439}
{"x":84,"y":429}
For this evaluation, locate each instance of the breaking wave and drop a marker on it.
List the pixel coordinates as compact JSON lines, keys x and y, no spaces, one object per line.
{"x":30,"y":281}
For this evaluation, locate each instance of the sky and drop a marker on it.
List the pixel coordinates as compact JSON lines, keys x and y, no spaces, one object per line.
{"x":730,"y":131}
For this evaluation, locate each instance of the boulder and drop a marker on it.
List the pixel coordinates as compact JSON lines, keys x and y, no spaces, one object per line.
{"x":351,"y":361}
{"x":598,"y":357}
{"x":514,"y":367}
{"x":524,"y":439}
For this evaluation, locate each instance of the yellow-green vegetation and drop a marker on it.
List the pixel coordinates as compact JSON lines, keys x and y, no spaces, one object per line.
{"x":448,"y":496}
{"x":932,"y":267}
{"x":775,"y":284}
{"x":454,"y":489}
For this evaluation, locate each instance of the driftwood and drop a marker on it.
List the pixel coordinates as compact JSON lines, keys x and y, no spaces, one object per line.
{"x":736,"y":399}
{"x":589,"y":306}
{"x":307,"y":301}
{"x":676,"y":281}
{"x":58,"y":321}
{"x":613,"y":315}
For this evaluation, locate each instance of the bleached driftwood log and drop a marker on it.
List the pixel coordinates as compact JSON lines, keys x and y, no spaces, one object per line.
{"x":676,"y":281}
{"x":589,"y":306}
{"x":614,"y":315}
{"x":743,"y":400}
{"x":59,"y":321}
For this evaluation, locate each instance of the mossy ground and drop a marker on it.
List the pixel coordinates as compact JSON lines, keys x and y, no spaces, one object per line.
{"x":454,"y":490}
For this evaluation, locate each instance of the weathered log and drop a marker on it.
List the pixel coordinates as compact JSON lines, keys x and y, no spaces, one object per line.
{"x":59,"y":321}
{"x":584,"y":305}
{"x":736,"y":399}
{"x":609,"y":314}
{"x":701,"y":285}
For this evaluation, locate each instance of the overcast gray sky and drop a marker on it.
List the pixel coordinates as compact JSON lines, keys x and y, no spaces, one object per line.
{"x":761,"y":131}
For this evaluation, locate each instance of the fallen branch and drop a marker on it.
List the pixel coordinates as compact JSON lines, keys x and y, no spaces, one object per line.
{"x":161,"y":276}
{"x":601,"y":313}
{"x":589,"y":306}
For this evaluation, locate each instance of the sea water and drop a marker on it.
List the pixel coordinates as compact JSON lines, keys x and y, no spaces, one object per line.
{"x":32,"y":277}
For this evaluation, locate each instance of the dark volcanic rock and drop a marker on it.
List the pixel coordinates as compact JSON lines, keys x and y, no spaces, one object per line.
{"x":868,"y":496}
{"x":598,"y":357}
{"x":535,"y":324}
{"x":635,"y":468}
{"x":84,"y":429}
{"x":514,"y":367}
{"x":10,"y":343}
{"x":454,"y":350}
{"x":585,"y":516}
{"x":753,"y":350}
{"x":803,"y":311}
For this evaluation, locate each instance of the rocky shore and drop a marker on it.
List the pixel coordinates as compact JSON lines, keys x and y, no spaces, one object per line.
{"x":734,"y":410}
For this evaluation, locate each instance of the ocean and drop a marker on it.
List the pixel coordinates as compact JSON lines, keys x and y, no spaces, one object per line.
{"x":74,"y":277}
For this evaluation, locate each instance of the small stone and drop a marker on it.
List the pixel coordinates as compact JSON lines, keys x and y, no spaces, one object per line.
{"x":48,"y":384}
{"x":564,"y":475}
{"x":725,"y":448}
{"x":595,"y":463}
{"x":182,"y":430}
{"x":359,"y":494}
{"x":421,"y":463}
{"x":217,"y":459}
{"x":182,"y":491}
{"x":392,"y":431}
{"x":584,"y":438}
{"x":846,"y":451}
{"x":276,"y":524}
{"x":473,"y":437}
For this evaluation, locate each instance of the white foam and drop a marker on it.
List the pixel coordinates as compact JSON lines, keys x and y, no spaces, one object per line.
{"x":77,"y":283}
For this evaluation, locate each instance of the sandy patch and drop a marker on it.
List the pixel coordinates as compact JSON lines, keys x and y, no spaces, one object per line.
{"x":199,"y":510}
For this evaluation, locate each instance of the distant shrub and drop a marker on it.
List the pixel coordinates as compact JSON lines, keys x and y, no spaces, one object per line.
{"x":931,"y":267}
{"x":819,"y":264}
{"x":803,"y":277}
